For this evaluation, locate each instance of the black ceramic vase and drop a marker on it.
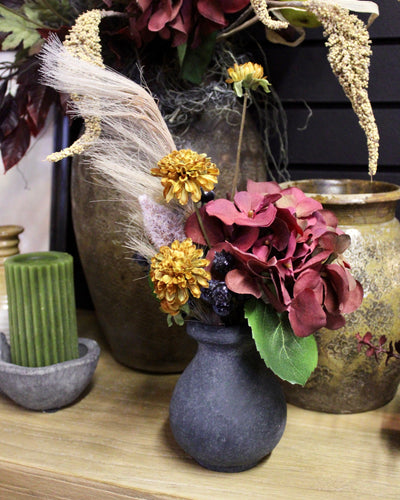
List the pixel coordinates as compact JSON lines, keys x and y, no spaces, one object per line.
{"x":227,"y":410}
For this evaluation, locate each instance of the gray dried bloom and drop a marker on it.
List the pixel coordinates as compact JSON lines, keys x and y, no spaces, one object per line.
{"x":163,"y":225}
{"x":349,"y":56}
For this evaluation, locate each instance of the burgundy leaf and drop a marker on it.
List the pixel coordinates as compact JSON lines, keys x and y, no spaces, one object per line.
{"x":15,"y":145}
{"x":9,"y":118}
{"x":61,"y":32}
{"x":3,"y":90}
{"x":40,"y":100}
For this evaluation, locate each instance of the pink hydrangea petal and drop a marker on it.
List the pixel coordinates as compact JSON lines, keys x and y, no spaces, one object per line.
{"x":309,"y":279}
{"x":239,"y":281}
{"x":211,"y":9}
{"x":262,"y":252}
{"x":329,"y":217}
{"x":245,"y":238}
{"x":349,"y":291}
{"x":306,"y":314}
{"x":225,"y":210}
{"x":232,"y":6}
{"x":307,"y":206}
{"x":334,"y":321}
{"x":296,"y":200}
{"x":334,"y":242}
{"x":262,"y":219}
{"x":144,"y":4}
{"x":263,"y":187}
{"x":243,"y":200}
{"x":213,"y":228}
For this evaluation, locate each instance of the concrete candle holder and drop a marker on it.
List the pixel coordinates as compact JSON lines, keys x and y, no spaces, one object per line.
{"x":47,"y":387}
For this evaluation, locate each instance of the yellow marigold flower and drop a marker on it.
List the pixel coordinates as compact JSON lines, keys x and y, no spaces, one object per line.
{"x":184,"y":173}
{"x":178,"y":271}
{"x":240,"y":72}
{"x":247,"y":76}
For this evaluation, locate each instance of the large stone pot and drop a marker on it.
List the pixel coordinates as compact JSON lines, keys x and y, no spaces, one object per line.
{"x":345,"y":380}
{"x":128,"y":314}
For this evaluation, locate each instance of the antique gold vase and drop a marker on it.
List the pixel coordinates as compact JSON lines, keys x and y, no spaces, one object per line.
{"x":347,"y":381}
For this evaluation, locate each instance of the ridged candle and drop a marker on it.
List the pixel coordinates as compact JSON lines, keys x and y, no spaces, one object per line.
{"x":42,"y":311}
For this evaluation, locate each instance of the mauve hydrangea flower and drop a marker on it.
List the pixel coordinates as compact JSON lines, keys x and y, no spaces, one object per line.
{"x":287,"y":251}
{"x":183,"y":20}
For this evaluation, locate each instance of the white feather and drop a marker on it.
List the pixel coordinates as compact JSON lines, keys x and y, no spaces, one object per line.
{"x":134,"y":134}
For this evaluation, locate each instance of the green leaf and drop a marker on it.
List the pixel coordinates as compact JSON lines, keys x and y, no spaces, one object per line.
{"x":181,"y":50}
{"x":291,"y":358}
{"x":195,"y":61}
{"x":238,"y":88}
{"x":264,"y":85}
{"x":22,"y":24}
{"x":23,"y":29}
{"x":53,"y":13}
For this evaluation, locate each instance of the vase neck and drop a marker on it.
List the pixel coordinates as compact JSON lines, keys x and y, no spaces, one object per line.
{"x":219,"y":334}
{"x":368,"y":213}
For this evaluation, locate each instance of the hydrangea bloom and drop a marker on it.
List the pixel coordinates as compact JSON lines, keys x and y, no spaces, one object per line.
{"x":287,"y":251}
{"x":183,"y":20}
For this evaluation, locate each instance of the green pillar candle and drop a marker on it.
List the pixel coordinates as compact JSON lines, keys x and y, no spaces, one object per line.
{"x":42,"y":313}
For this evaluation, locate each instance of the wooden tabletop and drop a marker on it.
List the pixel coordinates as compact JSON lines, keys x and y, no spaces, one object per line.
{"x":115,"y":443}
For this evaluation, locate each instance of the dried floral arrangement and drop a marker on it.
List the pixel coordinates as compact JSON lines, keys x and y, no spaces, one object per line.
{"x":267,"y":256}
{"x":192,"y":30}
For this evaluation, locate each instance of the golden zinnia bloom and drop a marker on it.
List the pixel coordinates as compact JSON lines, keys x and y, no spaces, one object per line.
{"x":178,"y":271}
{"x":240,"y":72}
{"x":248,"y":76}
{"x":185,"y":172}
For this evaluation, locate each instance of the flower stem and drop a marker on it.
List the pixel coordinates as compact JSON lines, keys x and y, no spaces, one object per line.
{"x":239,"y":147}
{"x":200,"y":221}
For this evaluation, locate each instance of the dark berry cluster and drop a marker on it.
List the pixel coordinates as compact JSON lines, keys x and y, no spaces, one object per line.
{"x":223,"y":301}
{"x":219,"y":297}
{"x":207,"y":196}
{"x":223,"y":262}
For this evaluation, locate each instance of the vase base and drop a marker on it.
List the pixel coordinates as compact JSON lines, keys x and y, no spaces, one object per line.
{"x":325,"y":401}
{"x":232,"y":468}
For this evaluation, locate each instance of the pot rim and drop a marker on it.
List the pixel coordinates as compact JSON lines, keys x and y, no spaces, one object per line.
{"x":381,"y":192}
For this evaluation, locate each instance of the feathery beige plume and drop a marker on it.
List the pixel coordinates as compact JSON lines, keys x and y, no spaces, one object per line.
{"x":134,"y":135}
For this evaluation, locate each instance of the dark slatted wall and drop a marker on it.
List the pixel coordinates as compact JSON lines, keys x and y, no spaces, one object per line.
{"x":325,"y":139}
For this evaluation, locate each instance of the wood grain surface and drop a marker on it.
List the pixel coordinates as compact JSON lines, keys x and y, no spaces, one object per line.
{"x":115,"y":443}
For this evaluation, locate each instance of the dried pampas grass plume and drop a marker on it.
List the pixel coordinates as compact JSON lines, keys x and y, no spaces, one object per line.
{"x":134,"y":135}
